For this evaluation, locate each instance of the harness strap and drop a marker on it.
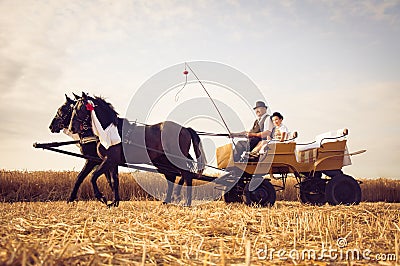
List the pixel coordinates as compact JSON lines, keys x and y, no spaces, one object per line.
{"x":86,"y":140}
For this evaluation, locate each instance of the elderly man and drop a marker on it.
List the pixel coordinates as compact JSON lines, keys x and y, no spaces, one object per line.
{"x":261,"y":129}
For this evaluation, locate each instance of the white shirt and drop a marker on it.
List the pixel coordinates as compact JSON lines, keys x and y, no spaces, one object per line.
{"x":268,"y":125}
{"x":279,"y":130}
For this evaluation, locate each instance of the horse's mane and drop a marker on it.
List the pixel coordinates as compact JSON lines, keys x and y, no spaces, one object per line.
{"x":106,"y":104}
{"x":106,"y":107}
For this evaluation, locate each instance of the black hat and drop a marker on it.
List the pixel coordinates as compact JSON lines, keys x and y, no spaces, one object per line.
{"x":260,"y":104}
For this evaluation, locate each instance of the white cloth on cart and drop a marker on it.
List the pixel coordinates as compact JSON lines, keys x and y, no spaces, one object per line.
{"x":325,"y":137}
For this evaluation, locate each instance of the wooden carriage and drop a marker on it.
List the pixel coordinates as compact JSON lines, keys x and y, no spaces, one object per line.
{"x":316,"y":167}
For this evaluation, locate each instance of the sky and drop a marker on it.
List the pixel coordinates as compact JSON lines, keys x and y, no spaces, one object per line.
{"x":323,"y":64}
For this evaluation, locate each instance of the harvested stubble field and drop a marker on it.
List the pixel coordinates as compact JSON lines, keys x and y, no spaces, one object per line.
{"x":148,"y":233}
{"x":17,"y":186}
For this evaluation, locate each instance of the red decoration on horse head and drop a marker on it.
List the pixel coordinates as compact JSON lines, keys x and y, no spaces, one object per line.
{"x":89,"y":107}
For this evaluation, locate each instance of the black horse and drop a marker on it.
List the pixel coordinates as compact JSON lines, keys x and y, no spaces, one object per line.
{"x":88,"y":143}
{"x":165,"y":145}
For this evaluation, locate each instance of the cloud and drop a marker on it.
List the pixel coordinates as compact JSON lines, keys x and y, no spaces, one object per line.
{"x":28,"y":57}
{"x":10,"y":72}
{"x":380,"y":11}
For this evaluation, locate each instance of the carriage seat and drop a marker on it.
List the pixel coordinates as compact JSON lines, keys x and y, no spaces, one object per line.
{"x":308,"y":152}
{"x":290,"y":137}
{"x":254,"y":157}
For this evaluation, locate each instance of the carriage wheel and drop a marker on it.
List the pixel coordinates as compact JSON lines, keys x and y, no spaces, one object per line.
{"x":264,"y":195}
{"x":312,"y":191}
{"x":234,"y":195}
{"x":343,"y":189}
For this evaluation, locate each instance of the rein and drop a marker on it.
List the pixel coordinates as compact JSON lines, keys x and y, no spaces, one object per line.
{"x":201,"y":133}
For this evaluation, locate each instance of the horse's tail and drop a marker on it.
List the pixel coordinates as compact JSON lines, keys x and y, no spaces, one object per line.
{"x":198,"y":150}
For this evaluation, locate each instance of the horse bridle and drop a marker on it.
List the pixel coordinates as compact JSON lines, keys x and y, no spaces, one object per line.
{"x":63,"y":117}
{"x":83,"y":122}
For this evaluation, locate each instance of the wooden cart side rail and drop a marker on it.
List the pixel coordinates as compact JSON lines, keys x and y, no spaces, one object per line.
{"x":328,"y":151}
{"x":319,"y":161}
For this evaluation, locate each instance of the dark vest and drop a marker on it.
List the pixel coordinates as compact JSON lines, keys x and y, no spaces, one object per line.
{"x":256,"y":127}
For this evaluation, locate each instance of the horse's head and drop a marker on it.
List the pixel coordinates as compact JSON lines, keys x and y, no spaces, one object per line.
{"x":80,"y":118}
{"x":63,"y":116}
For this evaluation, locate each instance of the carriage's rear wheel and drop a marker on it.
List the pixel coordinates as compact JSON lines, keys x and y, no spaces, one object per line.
{"x":312,"y":191}
{"x":264,"y":195}
{"x":343,"y":189}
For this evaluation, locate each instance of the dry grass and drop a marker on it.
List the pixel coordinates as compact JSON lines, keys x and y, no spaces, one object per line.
{"x":55,"y":186}
{"x":147,"y":232}
{"x":52,"y":186}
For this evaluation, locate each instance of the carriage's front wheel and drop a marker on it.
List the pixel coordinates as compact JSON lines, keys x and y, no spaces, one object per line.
{"x":264,"y":195}
{"x":343,"y":189}
{"x":234,"y":195}
{"x":312,"y":191}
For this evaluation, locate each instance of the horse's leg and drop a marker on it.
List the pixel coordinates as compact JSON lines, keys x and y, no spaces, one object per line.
{"x":87,"y":168}
{"x":170,"y":182}
{"x":108,"y":175}
{"x":114,"y":173}
{"x":101,"y":153}
{"x":189,"y":181}
{"x":178,"y":188}
{"x":103,"y":168}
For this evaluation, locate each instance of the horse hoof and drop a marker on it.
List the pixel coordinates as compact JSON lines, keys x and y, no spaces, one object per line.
{"x":177,"y":198}
{"x":187,"y":204}
{"x":165,"y":203}
{"x":71,"y":200}
{"x":102,"y":199}
{"x":113,"y":204}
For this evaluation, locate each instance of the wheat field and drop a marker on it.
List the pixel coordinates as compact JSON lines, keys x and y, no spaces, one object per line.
{"x":38,"y":227}
{"x":20,"y":186}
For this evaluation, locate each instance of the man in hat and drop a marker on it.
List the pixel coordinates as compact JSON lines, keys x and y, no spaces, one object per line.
{"x":261,"y":129}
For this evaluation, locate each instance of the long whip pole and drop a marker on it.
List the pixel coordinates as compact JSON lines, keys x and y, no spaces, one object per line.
{"x":209,"y":96}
